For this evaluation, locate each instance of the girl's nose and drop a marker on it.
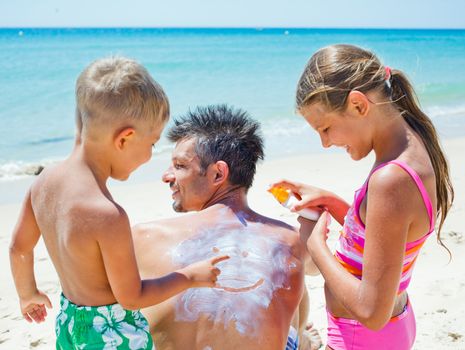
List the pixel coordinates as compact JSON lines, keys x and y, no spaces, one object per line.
{"x":325,"y":141}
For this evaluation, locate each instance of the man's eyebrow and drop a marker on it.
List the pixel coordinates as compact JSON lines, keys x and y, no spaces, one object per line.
{"x":181,"y":157}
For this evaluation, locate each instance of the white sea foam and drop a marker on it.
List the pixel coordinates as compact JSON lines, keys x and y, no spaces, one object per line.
{"x":445,"y":111}
{"x":14,"y":170}
{"x":18,"y":170}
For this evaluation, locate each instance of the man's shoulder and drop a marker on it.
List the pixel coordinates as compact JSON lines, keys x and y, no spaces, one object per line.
{"x":159,"y":229}
{"x":152,"y":228}
{"x":285,"y":232}
{"x":154,"y":239}
{"x":277,"y":225}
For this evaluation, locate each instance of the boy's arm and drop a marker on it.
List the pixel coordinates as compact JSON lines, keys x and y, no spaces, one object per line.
{"x":120,"y":263}
{"x":25,"y":237}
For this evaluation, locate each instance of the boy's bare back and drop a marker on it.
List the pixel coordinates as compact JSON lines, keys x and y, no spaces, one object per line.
{"x":74,"y":216}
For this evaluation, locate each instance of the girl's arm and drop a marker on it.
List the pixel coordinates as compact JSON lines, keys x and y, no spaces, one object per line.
{"x":306,"y":227}
{"x":311,"y":196}
{"x":389,"y":214}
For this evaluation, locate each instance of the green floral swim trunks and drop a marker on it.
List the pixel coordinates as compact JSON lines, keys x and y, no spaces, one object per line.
{"x":101,"y":327}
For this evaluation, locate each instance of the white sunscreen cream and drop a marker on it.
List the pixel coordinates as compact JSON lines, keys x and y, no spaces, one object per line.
{"x":259,"y":265}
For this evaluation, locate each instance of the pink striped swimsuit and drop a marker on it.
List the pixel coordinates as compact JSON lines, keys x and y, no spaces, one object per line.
{"x":399,"y":333}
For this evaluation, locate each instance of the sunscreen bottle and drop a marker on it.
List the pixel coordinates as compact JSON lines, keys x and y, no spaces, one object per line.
{"x":287,"y":200}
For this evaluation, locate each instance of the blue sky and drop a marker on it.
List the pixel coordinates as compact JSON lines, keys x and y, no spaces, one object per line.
{"x":233,"y":13}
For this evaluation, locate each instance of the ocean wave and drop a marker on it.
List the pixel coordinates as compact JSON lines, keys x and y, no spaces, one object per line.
{"x":284,"y":127}
{"x":14,"y":170}
{"x":439,"y":111}
{"x":51,"y":140}
{"x":289,"y":126}
{"x":18,"y":170}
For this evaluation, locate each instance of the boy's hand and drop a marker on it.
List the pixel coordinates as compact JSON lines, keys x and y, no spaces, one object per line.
{"x":204,"y":273}
{"x":33,"y":308}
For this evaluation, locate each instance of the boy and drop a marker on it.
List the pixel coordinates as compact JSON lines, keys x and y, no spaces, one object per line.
{"x":121,"y":112}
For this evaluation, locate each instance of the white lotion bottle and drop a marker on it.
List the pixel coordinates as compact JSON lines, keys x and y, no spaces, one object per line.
{"x":288,"y":200}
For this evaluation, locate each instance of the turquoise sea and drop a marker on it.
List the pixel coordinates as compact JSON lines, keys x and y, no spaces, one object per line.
{"x":254,"y":69}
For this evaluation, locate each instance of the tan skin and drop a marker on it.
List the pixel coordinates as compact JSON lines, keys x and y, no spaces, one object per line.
{"x":393,"y":210}
{"x":88,"y":235}
{"x":217,"y":202}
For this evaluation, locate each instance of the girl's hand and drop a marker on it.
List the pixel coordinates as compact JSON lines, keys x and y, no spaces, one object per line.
{"x":33,"y":308}
{"x":204,"y":273}
{"x":319,"y":234}
{"x":308,"y":196}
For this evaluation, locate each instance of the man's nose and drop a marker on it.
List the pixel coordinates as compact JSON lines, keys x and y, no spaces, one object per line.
{"x":168,"y":175}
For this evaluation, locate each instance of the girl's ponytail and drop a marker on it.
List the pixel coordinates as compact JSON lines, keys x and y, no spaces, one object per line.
{"x":405,"y":99}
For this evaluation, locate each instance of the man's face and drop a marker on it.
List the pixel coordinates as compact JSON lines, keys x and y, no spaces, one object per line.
{"x":190,"y":186}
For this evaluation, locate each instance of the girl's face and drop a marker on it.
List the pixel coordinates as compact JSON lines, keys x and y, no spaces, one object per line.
{"x":348,"y":129}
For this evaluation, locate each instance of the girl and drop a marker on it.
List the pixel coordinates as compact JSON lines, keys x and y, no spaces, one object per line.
{"x":353,"y":101}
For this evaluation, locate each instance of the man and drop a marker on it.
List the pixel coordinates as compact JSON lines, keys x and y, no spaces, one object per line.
{"x":261,"y":285}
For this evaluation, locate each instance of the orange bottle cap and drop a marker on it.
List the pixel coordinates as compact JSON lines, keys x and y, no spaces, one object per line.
{"x":280,"y":193}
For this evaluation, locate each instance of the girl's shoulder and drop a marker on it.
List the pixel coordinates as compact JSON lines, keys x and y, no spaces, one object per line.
{"x":404,"y":186}
{"x":391,"y":178}
{"x":404,"y":171}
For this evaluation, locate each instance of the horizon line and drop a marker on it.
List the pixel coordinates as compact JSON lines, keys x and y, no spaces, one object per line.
{"x":230,"y":27}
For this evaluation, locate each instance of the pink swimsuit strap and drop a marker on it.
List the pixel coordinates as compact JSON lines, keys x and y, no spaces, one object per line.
{"x":416,"y":178}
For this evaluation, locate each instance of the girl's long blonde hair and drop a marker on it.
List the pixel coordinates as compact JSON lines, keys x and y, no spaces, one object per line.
{"x":334,"y":71}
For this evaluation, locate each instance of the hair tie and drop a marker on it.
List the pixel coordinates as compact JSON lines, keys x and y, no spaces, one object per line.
{"x":388,"y":73}
{"x":387,"y":77}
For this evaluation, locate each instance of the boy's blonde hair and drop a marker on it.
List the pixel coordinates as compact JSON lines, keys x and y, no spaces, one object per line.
{"x":116,"y":92}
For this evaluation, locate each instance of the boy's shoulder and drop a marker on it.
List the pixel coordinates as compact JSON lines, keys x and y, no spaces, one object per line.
{"x":99,"y":218}
{"x":80,"y":197}
{"x":100,"y":212}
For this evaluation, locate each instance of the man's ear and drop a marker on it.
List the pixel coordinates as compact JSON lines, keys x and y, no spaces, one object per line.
{"x":122,"y":137}
{"x":220,"y":172}
{"x":358,"y":103}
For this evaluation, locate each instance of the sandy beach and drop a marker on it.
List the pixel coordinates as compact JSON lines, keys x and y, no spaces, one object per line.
{"x":437,"y":290}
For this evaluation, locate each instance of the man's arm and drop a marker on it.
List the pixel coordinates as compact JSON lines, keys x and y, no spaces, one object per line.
{"x":24,"y":239}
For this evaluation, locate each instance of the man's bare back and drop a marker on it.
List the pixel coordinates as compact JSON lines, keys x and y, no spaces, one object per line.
{"x":258,"y":291}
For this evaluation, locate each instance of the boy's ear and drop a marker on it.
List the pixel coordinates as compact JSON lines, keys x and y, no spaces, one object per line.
{"x":219,"y":172}
{"x":123,"y":137}
{"x":358,"y":103}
